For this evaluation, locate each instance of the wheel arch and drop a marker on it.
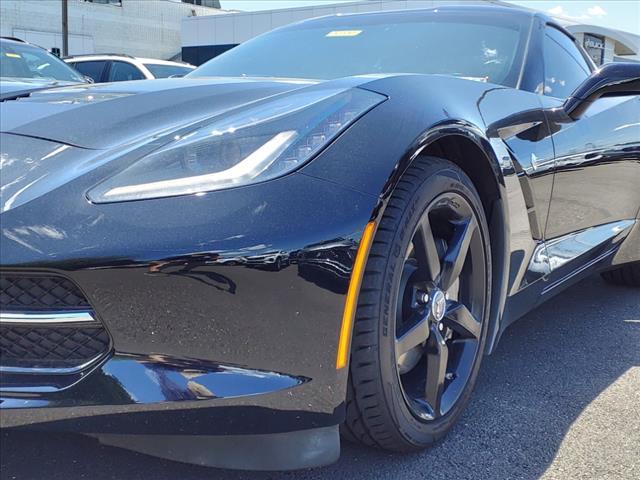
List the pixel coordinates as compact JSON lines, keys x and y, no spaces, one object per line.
{"x":465,"y":145}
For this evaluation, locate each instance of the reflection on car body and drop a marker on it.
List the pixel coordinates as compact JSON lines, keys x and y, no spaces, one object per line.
{"x":328,"y":263}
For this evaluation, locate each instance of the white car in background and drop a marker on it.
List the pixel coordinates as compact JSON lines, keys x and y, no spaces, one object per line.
{"x":120,"y":68}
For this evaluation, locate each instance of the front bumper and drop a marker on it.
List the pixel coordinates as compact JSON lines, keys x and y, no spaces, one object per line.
{"x":169,"y":408}
{"x":144,"y":395}
{"x":200,"y":345}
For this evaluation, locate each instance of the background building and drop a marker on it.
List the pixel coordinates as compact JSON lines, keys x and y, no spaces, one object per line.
{"x":605,"y":44}
{"x":206,"y":37}
{"x":145,"y":28}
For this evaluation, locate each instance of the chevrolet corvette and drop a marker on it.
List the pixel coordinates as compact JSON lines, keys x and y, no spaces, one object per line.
{"x":316,"y":235}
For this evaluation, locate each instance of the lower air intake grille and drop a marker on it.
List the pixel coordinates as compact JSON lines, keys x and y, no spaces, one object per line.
{"x":47,"y":323}
{"x":56,"y":347}
{"x":20,"y":293}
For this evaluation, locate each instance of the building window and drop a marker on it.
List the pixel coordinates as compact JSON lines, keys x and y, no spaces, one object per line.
{"x":594,"y":45}
{"x":118,"y":3}
{"x":204,"y":3}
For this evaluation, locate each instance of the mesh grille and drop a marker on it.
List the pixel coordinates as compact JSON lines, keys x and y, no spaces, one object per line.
{"x":31,"y":346}
{"x":36,"y":345}
{"x":28,"y":293}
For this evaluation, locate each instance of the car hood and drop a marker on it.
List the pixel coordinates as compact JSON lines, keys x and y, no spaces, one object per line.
{"x":11,"y":88}
{"x":108,"y":115}
{"x":52,"y":137}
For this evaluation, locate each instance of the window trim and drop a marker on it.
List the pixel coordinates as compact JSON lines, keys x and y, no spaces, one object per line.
{"x":533,"y":61}
{"x":528,"y":47}
{"x":148,"y":74}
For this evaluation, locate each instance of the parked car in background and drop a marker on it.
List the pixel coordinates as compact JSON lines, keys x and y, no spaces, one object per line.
{"x":120,"y":68}
{"x":25,"y":68}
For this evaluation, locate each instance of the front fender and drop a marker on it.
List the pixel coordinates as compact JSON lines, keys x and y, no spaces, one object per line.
{"x":421,"y":112}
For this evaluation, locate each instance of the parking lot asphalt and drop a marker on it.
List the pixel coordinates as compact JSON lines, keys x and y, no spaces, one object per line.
{"x":559,"y":399}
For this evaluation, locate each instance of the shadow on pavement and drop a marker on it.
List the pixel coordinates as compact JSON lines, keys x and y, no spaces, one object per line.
{"x":548,"y":368}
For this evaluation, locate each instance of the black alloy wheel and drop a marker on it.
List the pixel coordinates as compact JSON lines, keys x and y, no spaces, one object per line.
{"x":440,"y":308}
{"x":421,"y":322}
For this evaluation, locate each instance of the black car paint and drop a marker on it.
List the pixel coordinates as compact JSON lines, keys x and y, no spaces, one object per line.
{"x":67,"y":116}
{"x":156,"y":274}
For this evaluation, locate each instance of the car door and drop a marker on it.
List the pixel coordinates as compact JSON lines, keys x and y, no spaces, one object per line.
{"x":597,"y":157}
{"x":91,"y":68}
{"x":120,"y":71}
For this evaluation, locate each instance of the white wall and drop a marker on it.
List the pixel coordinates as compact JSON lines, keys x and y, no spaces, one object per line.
{"x":146,"y":28}
{"x":77,"y":43}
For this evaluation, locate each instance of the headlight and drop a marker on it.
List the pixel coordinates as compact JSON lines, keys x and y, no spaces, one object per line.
{"x":249,"y":145}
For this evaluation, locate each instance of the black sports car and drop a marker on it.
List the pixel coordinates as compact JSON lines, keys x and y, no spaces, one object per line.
{"x":420,"y":179}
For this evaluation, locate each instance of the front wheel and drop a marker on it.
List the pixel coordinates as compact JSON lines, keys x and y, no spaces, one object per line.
{"x":421,"y":322}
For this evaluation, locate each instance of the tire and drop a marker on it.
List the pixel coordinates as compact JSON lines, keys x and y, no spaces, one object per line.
{"x":379,"y":411}
{"x":626,"y":275}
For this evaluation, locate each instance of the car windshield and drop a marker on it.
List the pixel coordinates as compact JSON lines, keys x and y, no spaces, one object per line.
{"x":26,"y":61}
{"x":483,"y":47}
{"x":159,"y":70}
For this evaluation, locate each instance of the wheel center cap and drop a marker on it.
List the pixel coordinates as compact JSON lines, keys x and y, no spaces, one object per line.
{"x":438,"y":304}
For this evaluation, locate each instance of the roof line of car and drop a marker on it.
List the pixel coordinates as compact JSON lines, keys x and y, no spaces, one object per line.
{"x":82,"y":55}
{"x":13,"y":39}
{"x":510,"y":10}
{"x":115,"y":56}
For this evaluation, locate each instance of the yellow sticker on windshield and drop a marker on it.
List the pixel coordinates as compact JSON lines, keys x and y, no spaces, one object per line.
{"x":344,"y":33}
{"x":12,"y":55}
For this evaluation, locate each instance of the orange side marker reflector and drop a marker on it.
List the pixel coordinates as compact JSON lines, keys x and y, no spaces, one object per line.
{"x":351,"y":303}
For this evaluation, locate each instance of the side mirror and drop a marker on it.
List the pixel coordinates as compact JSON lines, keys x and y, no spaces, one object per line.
{"x":611,"y":80}
{"x":88,"y":79}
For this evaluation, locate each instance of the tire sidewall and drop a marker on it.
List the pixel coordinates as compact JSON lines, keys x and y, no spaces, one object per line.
{"x":415,"y":431}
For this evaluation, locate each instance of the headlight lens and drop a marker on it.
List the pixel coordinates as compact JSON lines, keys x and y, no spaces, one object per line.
{"x":252,"y":145}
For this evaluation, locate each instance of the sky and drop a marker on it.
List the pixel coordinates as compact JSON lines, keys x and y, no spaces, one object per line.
{"x":620,"y":14}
